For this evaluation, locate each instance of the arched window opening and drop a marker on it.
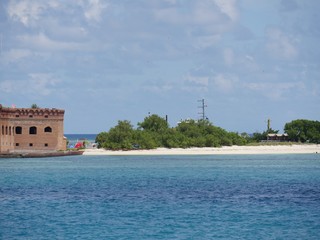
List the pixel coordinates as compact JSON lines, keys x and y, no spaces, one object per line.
{"x":10,"y":130}
{"x":33,"y":130}
{"x":6,"y":130}
{"x":2,"y":130}
{"x":48,"y":129}
{"x":18,"y":130}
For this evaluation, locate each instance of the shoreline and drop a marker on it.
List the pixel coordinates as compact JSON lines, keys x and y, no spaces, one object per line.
{"x":225,"y":150}
{"x":39,"y":154}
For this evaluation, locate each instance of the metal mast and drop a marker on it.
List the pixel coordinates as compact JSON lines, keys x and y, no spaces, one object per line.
{"x":202,"y":107}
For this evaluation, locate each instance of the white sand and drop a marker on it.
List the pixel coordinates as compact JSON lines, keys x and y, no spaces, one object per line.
{"x":267,"y":149}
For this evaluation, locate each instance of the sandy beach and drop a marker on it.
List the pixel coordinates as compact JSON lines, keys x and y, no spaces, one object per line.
{"x":264,"y":149}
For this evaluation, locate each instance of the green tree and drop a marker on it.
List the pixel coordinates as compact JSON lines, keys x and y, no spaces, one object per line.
{"x":258,"y":137}
{"x":119,"y":137}
{"x":189,"y":128}
{"x":154,"y":132}
{"x":237,"y":139}
{"x":145,"y":140}
{"x":101,"y":138}
{"x":204,"y":134}
{"x":154,"y":123}
{"x":174,"y":139}
{"x":34,"y":106}
{"x":302,"y":130}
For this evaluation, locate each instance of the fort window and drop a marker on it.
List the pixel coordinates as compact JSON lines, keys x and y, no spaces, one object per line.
{"x":2,"y":130}
{"x":30,"y":116}
{"x":18,"y":130}
{"x":6,"y":130}
{"x":17,"y":116}
{"x":17,"y":144}
{"x":33,"y":130}
{"x":30,"y":144}
{"x":46,"y":116}
{"x":10,"y":130}
{"x":48,"y":129}
{"x":46,"y":145}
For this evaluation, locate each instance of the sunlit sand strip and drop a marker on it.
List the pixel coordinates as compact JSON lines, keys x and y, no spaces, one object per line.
{"x":276,"y":149}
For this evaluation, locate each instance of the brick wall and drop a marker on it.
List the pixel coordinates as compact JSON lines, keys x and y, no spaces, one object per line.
{"x":27,"y":129}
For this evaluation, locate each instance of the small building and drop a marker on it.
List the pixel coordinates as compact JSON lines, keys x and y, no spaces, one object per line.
{"x":31,"y":129}
{"x":275,"y":137}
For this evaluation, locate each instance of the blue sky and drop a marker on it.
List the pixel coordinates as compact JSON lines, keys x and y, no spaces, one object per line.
{"x":104,"y":61}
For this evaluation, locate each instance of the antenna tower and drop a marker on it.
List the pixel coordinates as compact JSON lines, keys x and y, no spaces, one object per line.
{"x":202,"y":107}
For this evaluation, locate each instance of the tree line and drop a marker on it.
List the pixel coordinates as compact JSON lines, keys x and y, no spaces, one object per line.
{"x":300,"y":130}
{"x":154,"y":132}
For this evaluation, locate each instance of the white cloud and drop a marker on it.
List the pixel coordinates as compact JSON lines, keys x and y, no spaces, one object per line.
{"x":228,"y":56}
{"x":280,"y":45}
{"x":249,"y":58}
{"x":170,"y":15}
{"x":315,"y":89}
{"x":203,"y":81}
{"x":196,"y":83}
{"x":43,"y":42}
{"x":171,"y":1}
{"x":249,"y":64}
{"x":14,"y":55}
{"x":29,"y":11}
{"x":37,"y":83}
{"x":225,"y":83}
{"x":275,"y":91}
{"x":42,"y":83}
{"x":206,"y":12}
{"x":93,"y":10}
{"x":200,"y":23}
{"x":288,"y":5}
{"x":168,"y":47}
{"x":25,"y":11}
{"x":61,"y":30}
{"x":158,"y":89}
{"x":228,"y":8}
{"x":206,"y":41}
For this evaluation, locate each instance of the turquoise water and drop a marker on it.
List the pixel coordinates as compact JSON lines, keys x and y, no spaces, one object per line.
{"x":75,"y":137}
{"x":161,"y":197}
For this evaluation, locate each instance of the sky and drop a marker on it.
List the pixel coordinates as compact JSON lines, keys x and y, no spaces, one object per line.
{"x":109,"y":60}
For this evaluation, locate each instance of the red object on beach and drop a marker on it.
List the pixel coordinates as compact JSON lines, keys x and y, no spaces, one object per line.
{"x":78,"y":145}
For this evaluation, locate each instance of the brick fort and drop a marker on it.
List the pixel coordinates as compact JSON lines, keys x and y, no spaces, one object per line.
{"x":31,"y":129}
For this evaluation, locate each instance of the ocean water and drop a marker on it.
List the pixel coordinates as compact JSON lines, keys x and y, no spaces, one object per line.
{"x":76,"y":137}
{"x":161,"y":197}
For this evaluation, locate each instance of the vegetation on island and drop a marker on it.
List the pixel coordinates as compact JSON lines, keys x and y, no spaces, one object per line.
{"x":154,"y":132}
{"x":302,"y":130}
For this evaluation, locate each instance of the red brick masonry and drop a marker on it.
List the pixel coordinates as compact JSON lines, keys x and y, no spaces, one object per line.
{"x":31,"y":129}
